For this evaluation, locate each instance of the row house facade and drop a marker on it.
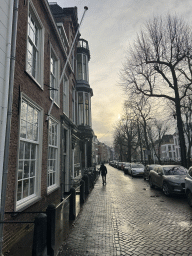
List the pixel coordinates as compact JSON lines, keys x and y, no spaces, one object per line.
{"x":169,"y":149}
{"x":51,"y":131}
{"x":101,"y":152}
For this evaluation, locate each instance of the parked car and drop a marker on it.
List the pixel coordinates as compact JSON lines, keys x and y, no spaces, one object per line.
{"x":170,"y":178}
{"x":188,"y":186}
{"x":123,"y":165}
{"x":136,"y":169}
{"x":127,"y":166}
{"x":119,"y":165}
{"x":147,"y":170}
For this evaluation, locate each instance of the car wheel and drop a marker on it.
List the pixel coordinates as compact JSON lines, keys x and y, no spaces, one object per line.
{"x":144,"y":177}
{"x":131,"y":174}
{"x":189,"y":198}
{"x":166,"y":189}
{"x":151,"y":183}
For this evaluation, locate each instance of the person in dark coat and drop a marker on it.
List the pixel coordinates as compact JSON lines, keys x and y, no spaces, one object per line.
{"x":103,"y":172}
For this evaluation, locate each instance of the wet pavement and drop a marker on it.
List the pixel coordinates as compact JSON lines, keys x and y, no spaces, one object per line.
{"x":126,"y":217}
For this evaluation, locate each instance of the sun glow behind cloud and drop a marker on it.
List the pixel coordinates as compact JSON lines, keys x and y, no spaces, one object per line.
{"x":110,"y":26}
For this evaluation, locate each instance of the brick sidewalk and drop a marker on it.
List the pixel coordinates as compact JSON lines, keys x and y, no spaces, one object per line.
{"x":126,"y":217}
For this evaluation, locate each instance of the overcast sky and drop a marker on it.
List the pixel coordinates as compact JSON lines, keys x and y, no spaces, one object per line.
{"x":110,"y":26}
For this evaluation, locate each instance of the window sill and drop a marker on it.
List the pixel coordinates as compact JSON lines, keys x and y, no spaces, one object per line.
{"x":34,"y":80}
{"x":52,"y":189}
{"x":26,"y":203}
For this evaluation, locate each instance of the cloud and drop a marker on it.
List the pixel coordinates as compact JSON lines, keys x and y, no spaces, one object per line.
{"x":110,"y":26}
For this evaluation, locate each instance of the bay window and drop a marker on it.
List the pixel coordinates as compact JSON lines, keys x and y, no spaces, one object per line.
{"x":84,"y":108}
{"x":82,"y":67}
{"x":80,"y":108}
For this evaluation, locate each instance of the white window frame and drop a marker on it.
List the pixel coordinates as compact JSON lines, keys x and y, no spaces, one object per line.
{"x":73,"y":106}
{"x":84,"y":111}
{"x":37,"y":159}
{"x":81,"y":120}
{"x":65,"y":155}
{"x":54,"y":77}
{"x":53,"y":144}
{"x":66,"y":96}
{"x":63,"y":36}
{"x":38,"y":77}
{"x":84,"y":74}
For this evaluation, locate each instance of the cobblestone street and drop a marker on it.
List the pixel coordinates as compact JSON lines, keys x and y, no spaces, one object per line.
{"x":126,"y":217}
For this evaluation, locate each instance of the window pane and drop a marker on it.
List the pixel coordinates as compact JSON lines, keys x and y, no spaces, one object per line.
{"x":80,"y":99}
{"x":32,"y":46}
{"x":19,"y":190}
{"x":33,"y":151}
{"x":23,"y":132}
{"x":34,"y":62}
{"x":30,"y":114}
{"x":29,"y":131}
{"x":21,"y":150}
{"x":51,"y":182}
{"x":27,"y":151}
{"x":79,"y":67}
{"x":32,"y":186}
{"x":32,"y":169}
{"x":20,"y":171}
{"x":25,"y":188}
{"x":84,"y":68}
{"x":23,"y":110}
{"x":35,"y":132}
{"x":26,"y":169}
{"x":54,"y":178}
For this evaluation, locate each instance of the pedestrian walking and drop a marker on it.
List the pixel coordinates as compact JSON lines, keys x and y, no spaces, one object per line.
{"x":103,"y":172}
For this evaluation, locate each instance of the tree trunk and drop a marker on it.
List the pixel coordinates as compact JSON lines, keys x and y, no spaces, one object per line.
{"x":181,"y":133}
{"x":139,"y":140}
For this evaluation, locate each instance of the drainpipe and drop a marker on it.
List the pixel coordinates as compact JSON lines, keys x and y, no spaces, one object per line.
{"x":13,"y":32}
{"x":6,"y":92}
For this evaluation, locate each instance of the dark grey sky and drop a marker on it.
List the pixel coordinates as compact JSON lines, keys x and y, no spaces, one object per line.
{"x":110,"y":26}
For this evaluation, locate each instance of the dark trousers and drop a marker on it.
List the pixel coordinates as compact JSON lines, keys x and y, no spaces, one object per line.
{"x":104,"y":178}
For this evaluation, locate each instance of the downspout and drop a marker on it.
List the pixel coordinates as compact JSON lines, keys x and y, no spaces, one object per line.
{"x":9,"y":115}
{"x":6,"y":92}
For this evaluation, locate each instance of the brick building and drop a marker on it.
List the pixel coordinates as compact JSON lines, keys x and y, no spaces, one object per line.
{"x":51,"y":134}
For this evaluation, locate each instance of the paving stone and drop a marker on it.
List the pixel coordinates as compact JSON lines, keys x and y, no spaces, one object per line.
{"x":122,"y":218}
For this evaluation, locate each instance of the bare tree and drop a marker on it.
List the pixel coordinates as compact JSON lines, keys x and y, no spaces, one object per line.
{"x":142,"y":112}
{"x":156,"y":132}
{"x":118,"y":141}
{"x":159,"y":65}
{"x":130,"y":132}
{"x":125,"y":134}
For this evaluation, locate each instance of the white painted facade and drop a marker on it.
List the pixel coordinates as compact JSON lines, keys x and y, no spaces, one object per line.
{"x":6,"y":15}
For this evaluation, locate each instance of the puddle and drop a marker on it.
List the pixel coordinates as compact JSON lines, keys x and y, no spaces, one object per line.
{"x":126,"y":228}
{"x":184,"y":224}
